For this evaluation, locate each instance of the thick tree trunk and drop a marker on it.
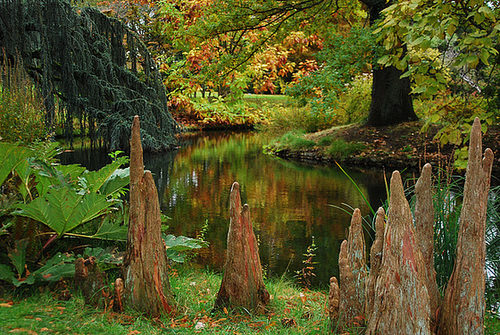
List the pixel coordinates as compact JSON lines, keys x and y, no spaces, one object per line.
{"x":242,"y":284}
{"x":147,"y":288}
{"x":462,"y":311}
{"x":391,"y":100}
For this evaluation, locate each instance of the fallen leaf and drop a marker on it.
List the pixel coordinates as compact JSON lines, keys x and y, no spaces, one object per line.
{"x":19,"y":330}
{"x":133,"y":332}
{"x":3,"y":304}
{"x":38,"y":319}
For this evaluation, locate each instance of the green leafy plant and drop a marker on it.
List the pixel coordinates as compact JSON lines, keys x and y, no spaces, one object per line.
{"x":292,"y":140}
{"x":306,"y":274}
{"x":177,"y":246}
{"x":57,"y":267}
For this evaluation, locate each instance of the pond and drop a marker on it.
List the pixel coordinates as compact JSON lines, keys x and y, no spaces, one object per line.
{"x":291,"y":204}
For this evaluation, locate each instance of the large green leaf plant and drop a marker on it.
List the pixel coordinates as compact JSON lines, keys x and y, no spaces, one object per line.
{"x":67,"y":200}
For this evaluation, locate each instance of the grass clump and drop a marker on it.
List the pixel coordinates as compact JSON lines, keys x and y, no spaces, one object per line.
{"x":340,"y":149}
{"x":292,"y":140}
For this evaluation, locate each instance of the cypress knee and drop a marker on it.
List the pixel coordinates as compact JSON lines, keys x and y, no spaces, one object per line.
{"x":401,"y":303}
{"x":147,"y":287}
{"x":242,"y":284}
{"x":463,"y":304}
{"x":424,"y":228}
{"x":352,"y":268}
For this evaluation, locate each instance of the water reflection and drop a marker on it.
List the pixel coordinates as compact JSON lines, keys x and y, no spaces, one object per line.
{"x":289,"y":202}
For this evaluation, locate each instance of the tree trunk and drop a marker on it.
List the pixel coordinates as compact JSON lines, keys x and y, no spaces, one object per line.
{"x":146,"y":282}
{"x":391,"y":100}
{"x":462,"y":311}
{"x":242,"y":284}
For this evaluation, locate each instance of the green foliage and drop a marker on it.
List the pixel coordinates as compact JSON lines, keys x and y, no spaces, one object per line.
{"x":340,"y":149}
{"x":177,"y":246}
{"x":456,"y":114}
{"x":55,"y":268}
{"x":62,"y":210}
{"x":21,"y":108}
{"x":467,"y":33}
{"x":292,"y":140}
{"x":220,"y":111}
{"x":343,"y":58}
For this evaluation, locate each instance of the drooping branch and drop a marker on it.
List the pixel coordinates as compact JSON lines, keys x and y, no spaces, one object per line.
{"x":95,"y":66}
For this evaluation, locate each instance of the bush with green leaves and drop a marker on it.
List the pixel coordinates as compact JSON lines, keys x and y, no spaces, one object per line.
{"x":43,"y":203}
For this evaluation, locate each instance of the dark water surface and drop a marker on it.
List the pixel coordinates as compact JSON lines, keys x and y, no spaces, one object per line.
{"x":290,"y":203}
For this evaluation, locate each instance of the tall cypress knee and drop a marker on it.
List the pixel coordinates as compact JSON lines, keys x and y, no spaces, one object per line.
{"x":242,"y":284}
{"x":147,"y":287}
{"x":463,"y":306}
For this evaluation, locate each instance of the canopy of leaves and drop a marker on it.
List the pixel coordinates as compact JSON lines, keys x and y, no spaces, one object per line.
{"x":93,"y":67}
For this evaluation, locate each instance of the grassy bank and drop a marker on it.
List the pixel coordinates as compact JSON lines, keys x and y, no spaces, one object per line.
{"x":292,"y":311}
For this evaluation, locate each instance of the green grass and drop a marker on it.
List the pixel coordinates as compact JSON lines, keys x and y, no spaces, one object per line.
{"x":195,"y":292}
{"x":340,"y":149}
{"x":293,"y":140}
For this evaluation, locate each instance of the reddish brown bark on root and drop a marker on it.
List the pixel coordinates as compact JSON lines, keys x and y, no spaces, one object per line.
{"x":375,"y":262}
{"x":147,"y":287}
{"x":352,"y":267}
{"x":242,"y":284}
{"x":424,"y":228}
{"x":463,"y":306}
{"x":401,"y":300}
{"x":88,"y":277}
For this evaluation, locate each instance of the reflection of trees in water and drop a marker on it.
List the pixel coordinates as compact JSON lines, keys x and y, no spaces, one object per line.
{"x":160,"y":165}
{"x":289,"y":202}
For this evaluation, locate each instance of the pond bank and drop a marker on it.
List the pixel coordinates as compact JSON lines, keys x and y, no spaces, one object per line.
{"x":400,"y":147}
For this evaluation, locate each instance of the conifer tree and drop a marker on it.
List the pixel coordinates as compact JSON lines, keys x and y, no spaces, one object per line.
{"x":88,"y":67}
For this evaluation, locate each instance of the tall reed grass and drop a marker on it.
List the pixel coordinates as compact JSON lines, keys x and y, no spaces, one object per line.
{"x":21,"y":106}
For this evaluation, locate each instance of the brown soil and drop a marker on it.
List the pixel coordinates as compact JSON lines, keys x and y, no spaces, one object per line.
{"x":394,"y":147}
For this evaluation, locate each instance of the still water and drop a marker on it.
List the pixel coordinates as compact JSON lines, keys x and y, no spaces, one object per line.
{"x":291,"y":204}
